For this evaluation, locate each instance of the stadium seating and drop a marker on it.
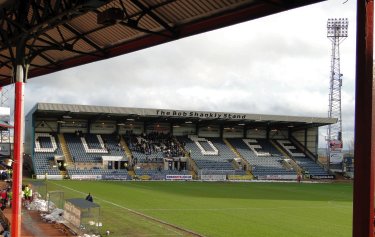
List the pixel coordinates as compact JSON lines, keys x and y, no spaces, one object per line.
{"x":96,"y":172}
{"x":152,"y":147}
{"x":211,"y":155}
{"x":91,"y":147}
{"x":84,"y":148}
{"x":215,"y":158}
{"x":46,"y":148}
{"x":264,"y":158}
{"x":306,"y":163}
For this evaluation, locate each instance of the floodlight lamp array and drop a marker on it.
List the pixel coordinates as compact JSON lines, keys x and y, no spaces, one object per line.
{"x":337,"y":27}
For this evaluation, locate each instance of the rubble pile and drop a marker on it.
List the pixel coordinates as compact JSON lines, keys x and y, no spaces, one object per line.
{"x":40,"y":205}
{"x":56,"y":216}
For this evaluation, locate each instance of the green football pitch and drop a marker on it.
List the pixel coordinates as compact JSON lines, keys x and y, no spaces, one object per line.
{"x":218,"y":208}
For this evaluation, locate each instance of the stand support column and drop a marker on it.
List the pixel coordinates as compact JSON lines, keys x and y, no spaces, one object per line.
{"x":18,"y":152}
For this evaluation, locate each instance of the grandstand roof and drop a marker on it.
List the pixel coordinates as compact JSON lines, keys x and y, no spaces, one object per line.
{"x":122,"y":114}
{"x":4,"y":125}
{"x":64,"y":34}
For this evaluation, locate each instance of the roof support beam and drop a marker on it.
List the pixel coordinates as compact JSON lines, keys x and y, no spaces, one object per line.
{"x":149,"y":12}
{"x":84,"y":38}
{"x":136,"y":27}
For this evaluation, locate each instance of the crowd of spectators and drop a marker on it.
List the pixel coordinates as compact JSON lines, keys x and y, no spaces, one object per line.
{"x":155,"y":142}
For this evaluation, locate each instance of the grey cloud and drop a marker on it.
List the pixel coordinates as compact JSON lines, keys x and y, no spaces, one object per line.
{"x":274,"y":65}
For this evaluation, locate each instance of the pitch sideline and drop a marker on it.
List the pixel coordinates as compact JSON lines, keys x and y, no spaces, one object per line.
{"x":139,"y":214}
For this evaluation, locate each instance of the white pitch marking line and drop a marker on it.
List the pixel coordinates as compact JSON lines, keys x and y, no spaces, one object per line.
{"x":239,"y":208}
{"x":125,"y":208}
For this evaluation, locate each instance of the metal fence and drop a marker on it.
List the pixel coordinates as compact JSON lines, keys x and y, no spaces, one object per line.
{"x":55,"y":199}
{"x":84,"y":216}
{"x":39,"y":187}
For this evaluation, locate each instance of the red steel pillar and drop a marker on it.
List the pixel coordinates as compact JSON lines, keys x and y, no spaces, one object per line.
{"x":18,"y":151}
{"x":363,"y":193}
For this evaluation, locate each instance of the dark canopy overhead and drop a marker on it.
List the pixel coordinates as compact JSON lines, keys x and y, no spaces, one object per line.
{"x":53,"y":35}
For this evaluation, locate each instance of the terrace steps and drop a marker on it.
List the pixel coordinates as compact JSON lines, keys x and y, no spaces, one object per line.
{"x":63,"y":173}
{"x":131,"y":173}
{"x":249,"y":173}
{"x":193,"y":174}
{"x":126,"y":149}
{"x":65,"y":150}
{"x":287,"y":165}
{"x":193,"y":165}
{"x":294,"y":165}
{"x":243,"y":160}
{"x":235,"y":164}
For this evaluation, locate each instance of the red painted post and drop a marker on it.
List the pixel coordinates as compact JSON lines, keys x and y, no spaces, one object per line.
{"x":18,"y":153}
{"x":363,"y":192}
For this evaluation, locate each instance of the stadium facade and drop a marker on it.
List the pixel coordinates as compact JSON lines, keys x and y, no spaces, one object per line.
{"x":103,"y":142}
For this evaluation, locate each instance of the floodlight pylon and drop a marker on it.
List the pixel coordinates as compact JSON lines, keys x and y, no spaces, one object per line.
{"x":337,"y":32}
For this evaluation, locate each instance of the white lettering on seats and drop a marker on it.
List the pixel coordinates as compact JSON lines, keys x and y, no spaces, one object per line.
{"x":287,"y":145}
{"x":253,"y":144}
{"x":38,"y":148}
{"x":94,"y":150}
{"x":197,"y":141}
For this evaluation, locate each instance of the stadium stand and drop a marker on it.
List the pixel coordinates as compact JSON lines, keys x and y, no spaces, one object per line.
{"x":89,"y":151}
{"x":88,"y":148}
{"x":45,"y":150}
{"x":73,"y":171}
{"x":152,"y":147}
{"x":264,"y":158}
{"x":155,"y":155}
{"x":308,"y":165}
{"x":158,"y":143}
{"x":211,"y":155}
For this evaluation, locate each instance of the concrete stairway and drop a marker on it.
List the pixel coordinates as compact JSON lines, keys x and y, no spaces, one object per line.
{"x":65,"y":150}
{"x":64,"y":173}
{"x":292,"y":163}
{"x":131,"y":173}
{"x":234,"y":150}
{"x":128,"y":152}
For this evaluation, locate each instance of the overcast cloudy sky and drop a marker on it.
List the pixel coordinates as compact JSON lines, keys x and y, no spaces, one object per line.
{"x":274,"y":65}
